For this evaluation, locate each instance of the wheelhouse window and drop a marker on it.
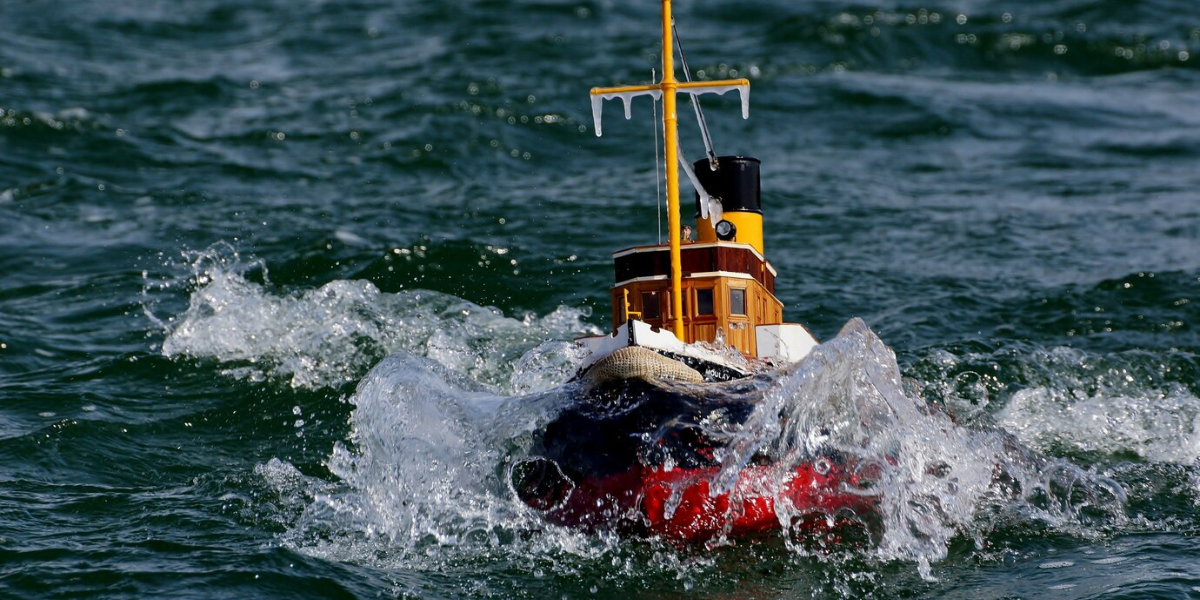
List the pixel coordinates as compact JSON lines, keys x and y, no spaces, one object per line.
{"x":737,"y":301}
{"x":651,"y":309}
{"x":704,"y":302}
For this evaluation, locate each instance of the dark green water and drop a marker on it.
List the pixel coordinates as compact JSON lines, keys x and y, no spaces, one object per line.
{"x":216,"y":217}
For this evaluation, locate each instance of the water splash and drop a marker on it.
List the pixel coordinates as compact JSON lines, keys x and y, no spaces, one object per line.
{"x":325,"y":336}
{"x":1105,"y":406}
{"x":934,"y":478}
{"x":1069,"y":401}
{"x":425,"y":473}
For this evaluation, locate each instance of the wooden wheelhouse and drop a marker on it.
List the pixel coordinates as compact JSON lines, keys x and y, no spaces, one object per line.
{"x":728,"y":290}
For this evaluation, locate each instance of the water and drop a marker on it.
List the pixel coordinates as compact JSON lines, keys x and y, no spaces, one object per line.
{"x":288,"y":285}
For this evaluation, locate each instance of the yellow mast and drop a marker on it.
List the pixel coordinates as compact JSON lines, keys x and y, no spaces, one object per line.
{"x":666,"y":89}
{"x":670,"y":139}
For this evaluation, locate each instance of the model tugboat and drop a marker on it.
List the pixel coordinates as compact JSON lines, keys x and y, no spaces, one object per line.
{"x":639,"y":452}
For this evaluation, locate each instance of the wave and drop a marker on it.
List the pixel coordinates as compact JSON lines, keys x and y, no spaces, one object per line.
{"x":1102,"y":408}
{"x":460,"y":392}
{"x":422,"y":481}
{"x":1087,"y":41}
{"x":328,"y":336}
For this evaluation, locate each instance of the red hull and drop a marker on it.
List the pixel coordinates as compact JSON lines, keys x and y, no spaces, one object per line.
{"x":641,"y":500}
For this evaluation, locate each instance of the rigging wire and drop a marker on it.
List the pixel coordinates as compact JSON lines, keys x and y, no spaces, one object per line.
{"x":687,"y":74}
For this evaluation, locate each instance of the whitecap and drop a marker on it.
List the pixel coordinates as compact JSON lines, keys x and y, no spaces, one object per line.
{"x":330,"y":335}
